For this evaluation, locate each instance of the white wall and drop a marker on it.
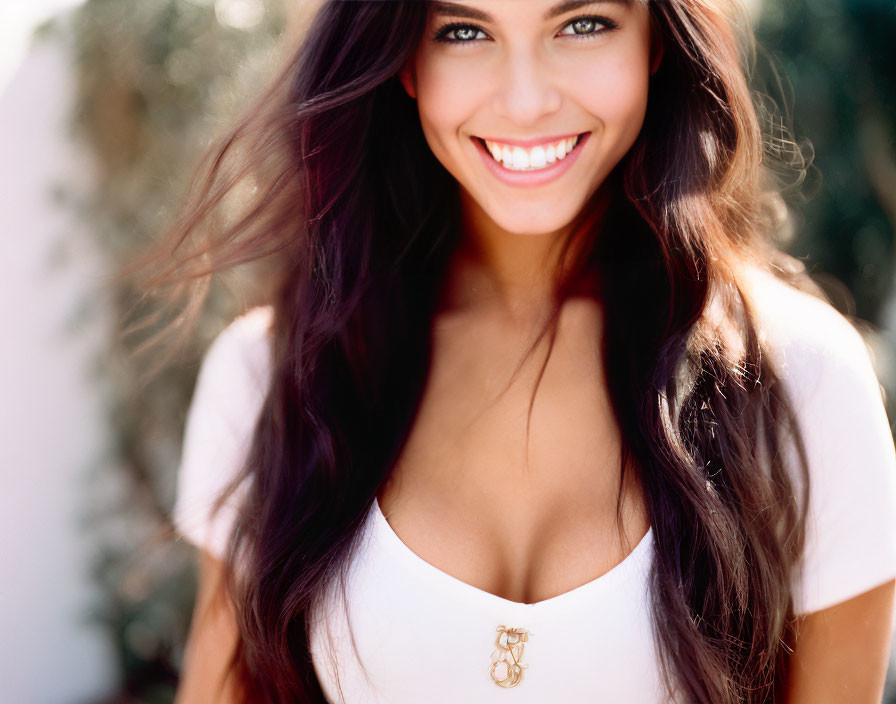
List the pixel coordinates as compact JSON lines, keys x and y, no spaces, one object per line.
{"x":51,"y":412}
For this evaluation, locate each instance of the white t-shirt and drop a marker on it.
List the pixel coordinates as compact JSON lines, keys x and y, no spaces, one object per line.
{"x":420,"y":634}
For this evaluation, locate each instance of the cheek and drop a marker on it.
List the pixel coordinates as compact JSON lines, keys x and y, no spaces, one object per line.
{"x":614,"y":90}
{"x":445,"y":100}
{"x":617,"y":94}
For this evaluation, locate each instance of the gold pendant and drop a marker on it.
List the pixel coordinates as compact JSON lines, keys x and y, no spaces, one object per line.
{"x":506,"y":658}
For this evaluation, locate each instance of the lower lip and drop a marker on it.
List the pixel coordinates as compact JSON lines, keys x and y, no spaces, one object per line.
{"x":531,"y":178}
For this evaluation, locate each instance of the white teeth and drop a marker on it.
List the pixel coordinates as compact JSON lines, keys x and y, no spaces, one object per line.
{"x":519,"y":159}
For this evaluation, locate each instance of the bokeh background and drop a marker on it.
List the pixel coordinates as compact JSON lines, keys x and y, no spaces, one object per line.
{"x":106,"y":107}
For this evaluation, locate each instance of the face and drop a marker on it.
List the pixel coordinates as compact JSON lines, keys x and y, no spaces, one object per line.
{"x":530,"y":104}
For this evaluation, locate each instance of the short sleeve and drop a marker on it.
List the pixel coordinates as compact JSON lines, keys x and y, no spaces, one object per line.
{"x":827,"y":371}
{"x":230,"y":391}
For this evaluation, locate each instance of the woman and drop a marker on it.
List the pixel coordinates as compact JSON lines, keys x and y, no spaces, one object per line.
{"x":535,"y":404}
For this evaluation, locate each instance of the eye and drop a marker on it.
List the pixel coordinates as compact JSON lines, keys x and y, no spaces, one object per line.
{"x":588,"y":27}
{"x":463,"y":33}
{"x":585,"y":27}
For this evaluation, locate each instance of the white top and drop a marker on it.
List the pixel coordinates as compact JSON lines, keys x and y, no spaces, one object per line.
{"x":423,"y":635}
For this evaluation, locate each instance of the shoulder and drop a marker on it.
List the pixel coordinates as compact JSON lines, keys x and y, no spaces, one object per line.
{"x":234,"y":377}
{"x":230,"y":390}
{"x":233,"y":380}
{"x":236,"y":369}
{"x":827,"y":372}
{"x":815,"y":349}
{"x":242,"y":350}
{"x":252,"y":327}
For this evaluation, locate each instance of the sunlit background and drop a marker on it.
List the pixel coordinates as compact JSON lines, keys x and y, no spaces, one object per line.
{"x":105,"y":106}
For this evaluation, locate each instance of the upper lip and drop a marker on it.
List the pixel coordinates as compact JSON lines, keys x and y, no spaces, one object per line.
{"x":529,"y":143}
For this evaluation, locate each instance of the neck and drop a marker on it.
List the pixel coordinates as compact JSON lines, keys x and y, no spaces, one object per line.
{"x":518,"y":275}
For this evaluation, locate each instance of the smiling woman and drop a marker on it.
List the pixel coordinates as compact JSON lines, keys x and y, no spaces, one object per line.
{"x":532,"y":83}
{"x":470,"y":207}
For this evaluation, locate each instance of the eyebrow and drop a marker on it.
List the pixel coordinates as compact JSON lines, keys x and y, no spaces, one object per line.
{"x":456,"y":9}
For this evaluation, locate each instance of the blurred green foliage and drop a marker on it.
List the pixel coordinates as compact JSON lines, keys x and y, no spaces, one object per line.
{"x":159,"y":78}
{"x":837,"y":57}
{"x":157,"y":81}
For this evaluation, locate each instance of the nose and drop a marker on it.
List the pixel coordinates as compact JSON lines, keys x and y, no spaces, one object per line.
{"x":527,"y":91}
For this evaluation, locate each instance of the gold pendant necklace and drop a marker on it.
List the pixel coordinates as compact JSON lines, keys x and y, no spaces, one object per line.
{"x":506,"y":670}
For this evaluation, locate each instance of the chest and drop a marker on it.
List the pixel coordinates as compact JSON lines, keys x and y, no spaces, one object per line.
{"x":398,"y":630}
{"x":511,"y":488}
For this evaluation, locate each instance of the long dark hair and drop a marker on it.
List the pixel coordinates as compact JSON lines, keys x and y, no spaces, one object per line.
{"x":356,"y":220}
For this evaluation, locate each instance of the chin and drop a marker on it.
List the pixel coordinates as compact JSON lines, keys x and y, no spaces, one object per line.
{"x":537,"y":223}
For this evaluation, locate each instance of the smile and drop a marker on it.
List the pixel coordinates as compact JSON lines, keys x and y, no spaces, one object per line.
{"x":516,"y":158}
{"x":533,"y":164}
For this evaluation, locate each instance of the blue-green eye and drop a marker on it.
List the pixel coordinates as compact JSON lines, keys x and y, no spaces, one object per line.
{"x":585,"y":27}
{"x":463,"y":33}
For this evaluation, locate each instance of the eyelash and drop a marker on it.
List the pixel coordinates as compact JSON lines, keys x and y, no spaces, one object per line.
{"x":442,"y":33}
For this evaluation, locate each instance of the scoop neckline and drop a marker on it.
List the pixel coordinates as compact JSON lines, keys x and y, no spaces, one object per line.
{"x":629,"y":563}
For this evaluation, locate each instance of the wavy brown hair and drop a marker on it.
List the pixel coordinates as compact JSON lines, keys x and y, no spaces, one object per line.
{"x":354,"y":220}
